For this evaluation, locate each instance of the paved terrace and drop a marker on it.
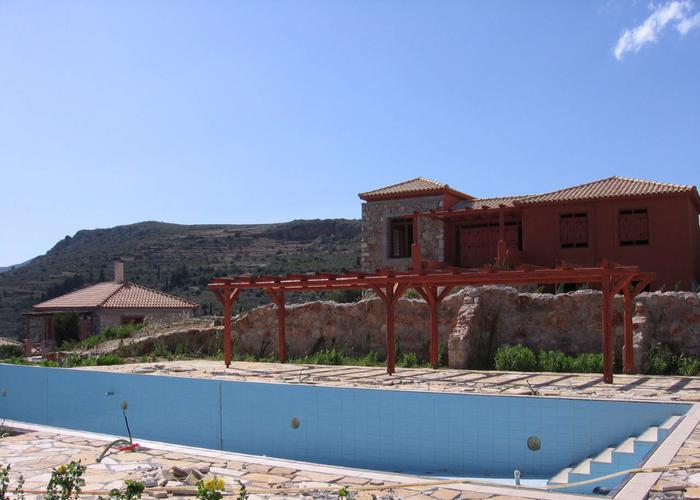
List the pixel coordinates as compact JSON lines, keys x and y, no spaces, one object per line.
{"x":35,"y":452}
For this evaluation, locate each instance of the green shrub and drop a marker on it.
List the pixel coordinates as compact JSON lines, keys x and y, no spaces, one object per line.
{"x":11,"y":351}
{"x":587,"y":363}
{"x":515,"y":358}
{"x":554,"y":361}
{"x":121,"y":332}
{"x":408,"y":360}
{"x":687,"y":366}
{"x":66,"y":327}
{"x":108,"y":359}
{"x":327,"y":357}
{"x":659,"y":360}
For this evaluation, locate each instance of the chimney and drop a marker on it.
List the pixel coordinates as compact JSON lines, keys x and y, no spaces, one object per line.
{"x":119,"y":272}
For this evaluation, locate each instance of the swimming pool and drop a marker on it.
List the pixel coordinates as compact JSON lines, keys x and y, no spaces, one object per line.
{"x":392,"y":430}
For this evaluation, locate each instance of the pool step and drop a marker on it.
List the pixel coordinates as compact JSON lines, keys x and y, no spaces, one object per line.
{"x":626,"y":455}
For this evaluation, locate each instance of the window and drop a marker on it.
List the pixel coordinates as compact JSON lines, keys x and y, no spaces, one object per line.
{"x":401,"y":238}
{"x":633,"y":226}
{"x":573,"y":230}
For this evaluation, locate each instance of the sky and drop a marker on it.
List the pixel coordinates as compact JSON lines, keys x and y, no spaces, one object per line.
{"x":116,"y":112}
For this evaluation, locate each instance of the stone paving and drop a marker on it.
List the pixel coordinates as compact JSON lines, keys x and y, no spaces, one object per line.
{"x":33,"y":454}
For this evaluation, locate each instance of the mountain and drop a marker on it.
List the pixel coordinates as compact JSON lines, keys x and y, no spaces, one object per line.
{"x":180,"y":259}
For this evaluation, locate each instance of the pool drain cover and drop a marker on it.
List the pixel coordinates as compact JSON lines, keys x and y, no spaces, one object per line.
{"x":534,"y":443}
{"x":295,"y":423}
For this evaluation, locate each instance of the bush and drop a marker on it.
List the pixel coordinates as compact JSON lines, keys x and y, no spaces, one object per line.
{"x":121,"y":332}
{"x":659,"y":360}
{"x":515,"y":358}
{"x":554,"y":361}
{"x":408,"y":360}
{"x":66,"y":327}
{"x":587,"y":363}
{"x":108,"y":359}
{"x":687,"y":366}
{"x":327,"y":357}
{"x":11,"y":351}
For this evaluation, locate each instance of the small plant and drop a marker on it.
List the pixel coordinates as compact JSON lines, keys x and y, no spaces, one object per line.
{"x":242,"y":491}
{"x":515,"y":358}
{"x":66,"y":482}
{"x":134,"y":489}
{"x":659,"y":360}
{"x":4,"y":481}
{"x":343,"y":492}
{"x":687,"y":366}
{"x":210,"y":489}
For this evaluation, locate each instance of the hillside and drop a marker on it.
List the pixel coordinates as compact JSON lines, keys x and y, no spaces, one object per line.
{"x":179,"y":259}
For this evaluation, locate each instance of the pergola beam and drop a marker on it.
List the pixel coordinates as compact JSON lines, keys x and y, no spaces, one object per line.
{"x":434,"y":286}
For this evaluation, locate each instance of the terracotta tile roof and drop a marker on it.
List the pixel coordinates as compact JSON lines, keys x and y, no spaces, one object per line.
{"x":612,"y":187}
{"x":488,"y":202}
{"x":116,"y":295}
{"x":6,"y":341}
{"x":419,"y":186}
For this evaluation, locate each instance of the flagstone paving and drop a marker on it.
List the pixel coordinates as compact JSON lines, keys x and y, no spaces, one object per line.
{"x":34,"y":454}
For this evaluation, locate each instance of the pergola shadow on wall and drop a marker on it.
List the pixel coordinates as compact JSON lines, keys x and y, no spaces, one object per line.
{"x":434,"y":285}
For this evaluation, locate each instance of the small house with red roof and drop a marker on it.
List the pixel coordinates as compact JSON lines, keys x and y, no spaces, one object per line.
{"x":649,"y":224}
{"x":107,"y":304}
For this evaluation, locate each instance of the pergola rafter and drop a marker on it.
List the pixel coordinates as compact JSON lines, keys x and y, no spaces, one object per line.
{"x":433,"y":285}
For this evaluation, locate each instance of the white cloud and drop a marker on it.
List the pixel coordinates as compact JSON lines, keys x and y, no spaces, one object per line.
{"x":677,"y":12}
{"x":688,"y":24}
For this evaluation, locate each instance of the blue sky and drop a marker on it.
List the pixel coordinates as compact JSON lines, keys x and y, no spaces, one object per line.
{"x":262,"y":111}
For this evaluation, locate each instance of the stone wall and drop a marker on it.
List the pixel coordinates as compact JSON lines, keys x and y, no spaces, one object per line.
{"x":111,"y":318}
{"x":376,"y":216}
{"x":474,"y":322}
{"x":355,"y":328}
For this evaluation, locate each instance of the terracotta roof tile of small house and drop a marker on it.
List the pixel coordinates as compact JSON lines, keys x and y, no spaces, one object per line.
{"x":612,"y":187}
{"x":413,"y":187}
{"x":116,"y":295}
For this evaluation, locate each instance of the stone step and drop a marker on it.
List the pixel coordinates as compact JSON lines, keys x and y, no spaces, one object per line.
{"x":605,"y":456}
{"x":651,"y":435}
{"x":562,"y":477}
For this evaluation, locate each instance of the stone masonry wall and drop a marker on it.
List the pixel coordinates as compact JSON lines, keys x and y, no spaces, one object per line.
{"x":475,"y":322}
{"x":376,"y":216}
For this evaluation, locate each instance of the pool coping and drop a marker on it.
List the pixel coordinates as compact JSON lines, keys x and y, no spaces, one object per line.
{"x":636,"y":488}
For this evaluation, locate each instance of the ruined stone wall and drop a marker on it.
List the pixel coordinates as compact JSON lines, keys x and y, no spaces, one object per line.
{"x":354,"y":328}
{"x":474,"y":322}
{"x":376,"y":216}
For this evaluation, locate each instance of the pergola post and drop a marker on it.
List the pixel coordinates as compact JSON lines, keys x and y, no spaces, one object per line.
{"x":434,"y":298}
{"x":278,"y":298}
{"x":227,"y":297}
{"x":608,"y":353}
{"x":628,"y":351}
{"x":416,"y":250}
{"x":228,"y":347}
{"x":390,"y":296}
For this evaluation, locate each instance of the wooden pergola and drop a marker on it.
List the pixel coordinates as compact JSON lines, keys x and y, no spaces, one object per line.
{"x":434,"y":285}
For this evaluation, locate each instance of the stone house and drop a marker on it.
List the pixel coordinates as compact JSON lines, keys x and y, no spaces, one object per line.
{"x":650,"y":224}
{"x":107,"y":304}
